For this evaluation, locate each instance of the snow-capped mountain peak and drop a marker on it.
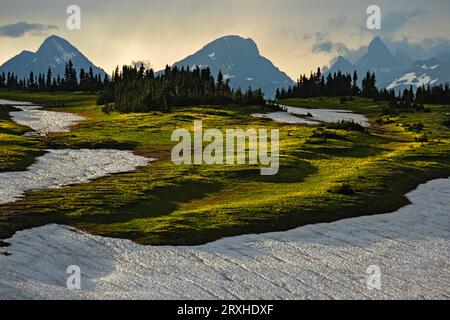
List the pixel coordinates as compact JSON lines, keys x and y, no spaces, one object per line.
{"x":62,"y":50}
{"x":53,"y":53}
{"x":240,"y":61}
{"x":423,"y":73}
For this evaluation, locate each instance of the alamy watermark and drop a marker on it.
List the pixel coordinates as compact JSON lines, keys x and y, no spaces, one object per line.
{"x":73,"y":22}
{"x":373,"y":278}
{"x":74,"y":280}
{"x":374,"y":19}
{"x":190,"y":149}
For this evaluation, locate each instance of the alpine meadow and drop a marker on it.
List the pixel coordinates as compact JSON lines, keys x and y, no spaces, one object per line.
{"x":180,"y":162}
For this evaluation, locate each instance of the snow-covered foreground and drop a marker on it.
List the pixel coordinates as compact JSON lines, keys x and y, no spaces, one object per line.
{"x":314,"y":116}
{"x":330,"y":261}
{"x":60,"y":168}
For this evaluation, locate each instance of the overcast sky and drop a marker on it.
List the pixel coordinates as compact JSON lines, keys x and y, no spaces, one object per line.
{"x":297,"y":35}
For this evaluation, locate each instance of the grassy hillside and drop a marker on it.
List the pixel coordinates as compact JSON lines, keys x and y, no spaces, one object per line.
{"x":325,"y":174}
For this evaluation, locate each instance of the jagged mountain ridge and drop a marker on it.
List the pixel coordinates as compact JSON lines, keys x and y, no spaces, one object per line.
{"x":240,"y":61}
{"x":54,"y":53}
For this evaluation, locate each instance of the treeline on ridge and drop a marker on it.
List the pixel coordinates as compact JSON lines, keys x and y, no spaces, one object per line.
{"x":85,"y":80}
{"x":136,"y":89}
{"x":344,"y":85}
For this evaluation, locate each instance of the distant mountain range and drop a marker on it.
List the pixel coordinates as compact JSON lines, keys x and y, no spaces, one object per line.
{"x":392,"y":73}
{"x":238,"y":59}
{"x":423,"y":73}
{"x":343,"y":65}
{"x":241,"y":62}
{"x":54,"y":52}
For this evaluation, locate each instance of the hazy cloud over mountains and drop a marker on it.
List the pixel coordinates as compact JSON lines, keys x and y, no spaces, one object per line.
{"x":397,"y":19}
{"x":297,"y":35}
{"x":405,"y":48}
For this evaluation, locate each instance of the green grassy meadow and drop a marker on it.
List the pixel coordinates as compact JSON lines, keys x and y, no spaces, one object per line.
{"x":165,"y":204}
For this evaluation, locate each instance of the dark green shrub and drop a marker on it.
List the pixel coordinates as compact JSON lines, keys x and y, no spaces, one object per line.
{"x":346,"y":125}
{"x":384,"y":120}
{"x":345,"y":189}
{"x":322,"y":133}
{"x":446,"y":121}
{"x":416,"y":127}
{"x":344,"y":100}
{"x":422,"y":138}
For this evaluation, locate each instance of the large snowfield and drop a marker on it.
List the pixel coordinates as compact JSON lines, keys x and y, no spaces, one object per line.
{"x":324,"y":261}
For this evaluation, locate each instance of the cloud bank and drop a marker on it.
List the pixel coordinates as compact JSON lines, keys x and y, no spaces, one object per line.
{"x":397,"y":19}
{"x":20,"y":29}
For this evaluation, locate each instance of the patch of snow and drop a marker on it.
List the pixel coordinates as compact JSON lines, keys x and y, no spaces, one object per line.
{"x":15,"y":103}
{"x":432,"y":68}
{"x":228,"y":76}
{"x":411,"y":79}
{"x":330,"y":115}
{"x":65,"y":55}
{"x":422,"y":80}
{"x":212,"y":55}
{"x":283,"y":117}
{"x":324,"y":261}
{"x":408,"y":78}
{"x":44,"y":122}
{"x":249,"y":79}
{"x":318,"y":115}
{"x":60,"y":168}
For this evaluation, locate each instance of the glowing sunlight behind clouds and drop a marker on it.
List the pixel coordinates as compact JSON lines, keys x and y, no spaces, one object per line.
{"x":297,"y":35}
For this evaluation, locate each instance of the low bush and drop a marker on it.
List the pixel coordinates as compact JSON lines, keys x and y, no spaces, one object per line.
{"x":384,"y":120}
{"x":422,"y":138}
{"x":322,"y":133}
{"x":415,"y":127}
{"x":346,"y":125}
{"x":446,"y":121}
{"x":345,"y":189}
{"x":344,"y":100}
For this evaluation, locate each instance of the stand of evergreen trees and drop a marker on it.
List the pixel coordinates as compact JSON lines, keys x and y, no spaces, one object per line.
{"x":335,"y":85}
{"x":139,"y":90}
{"x":433,"y":95}
{"x":344,"y":85}
{"x":85,"y":81}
